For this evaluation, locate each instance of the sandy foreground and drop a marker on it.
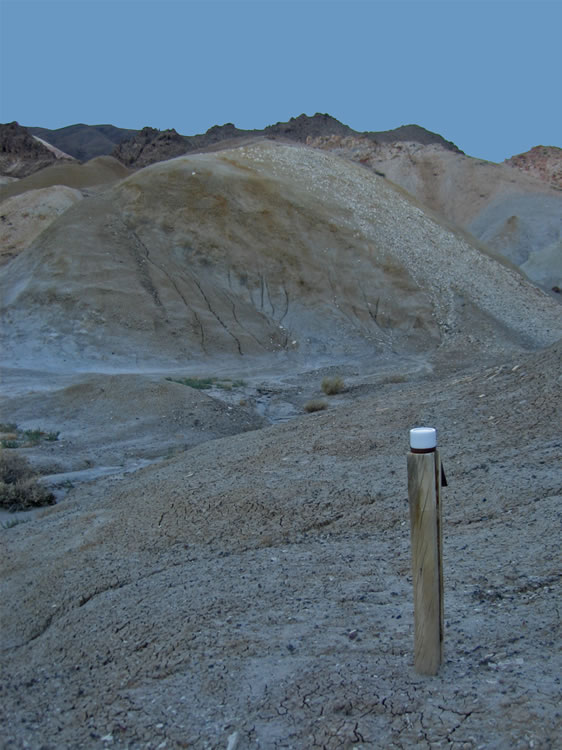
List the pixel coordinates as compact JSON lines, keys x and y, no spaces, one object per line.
{"x":254,"y":591}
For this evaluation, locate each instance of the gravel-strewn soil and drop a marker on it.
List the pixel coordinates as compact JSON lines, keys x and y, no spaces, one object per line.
{"x":256,"y":589}
{"x":222,"y":570}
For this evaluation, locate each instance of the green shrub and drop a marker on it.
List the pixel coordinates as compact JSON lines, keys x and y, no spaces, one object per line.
{"x":17,"y":438}
{"x":331,"y":386}
{"x":19,"y":488}
{"x":9,"y":444}
{"x":33,"y":436}
{"x":315,"y":405}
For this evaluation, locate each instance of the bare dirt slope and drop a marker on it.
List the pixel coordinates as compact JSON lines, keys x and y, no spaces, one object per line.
{"x":135,"y":417}
{"x":514,"y":212}
{"x":23,"y":217}
{"x":269,"y":248}
{"x":256,"y":592}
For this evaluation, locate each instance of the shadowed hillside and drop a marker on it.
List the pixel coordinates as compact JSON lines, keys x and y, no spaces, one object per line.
{"x":84,"y":142}
{"x":266,"y":248}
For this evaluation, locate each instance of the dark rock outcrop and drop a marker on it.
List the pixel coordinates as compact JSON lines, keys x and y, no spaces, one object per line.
{"x":20,"y":153}
{"x":138,"y":148}
{"x":152,"y":145}
{"x":149,"y":146}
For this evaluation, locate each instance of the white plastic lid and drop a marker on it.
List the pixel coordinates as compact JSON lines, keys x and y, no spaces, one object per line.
{"x":423,"y":438}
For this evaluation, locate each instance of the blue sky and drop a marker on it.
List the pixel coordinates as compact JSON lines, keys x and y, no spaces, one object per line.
{"x":485,"y":74}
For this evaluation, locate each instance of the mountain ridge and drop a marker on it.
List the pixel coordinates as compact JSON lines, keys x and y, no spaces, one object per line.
{"x":128,"y":145}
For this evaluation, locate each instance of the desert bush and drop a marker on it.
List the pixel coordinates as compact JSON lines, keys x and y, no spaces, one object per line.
{"x":19,"y":488}
{"x":32,"y":437}
{"x":16,"y":438}
{"x":397,"y":377}
{"x":14,"y":468}
{"x":9,"y":444}
{"x":331,"y":386}
{"x":315,"y":405}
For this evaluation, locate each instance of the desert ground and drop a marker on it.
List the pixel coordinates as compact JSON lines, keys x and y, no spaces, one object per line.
{"x":230,"y":567}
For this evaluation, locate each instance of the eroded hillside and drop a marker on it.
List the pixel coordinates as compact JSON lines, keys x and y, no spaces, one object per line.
{"x":265,"y":248}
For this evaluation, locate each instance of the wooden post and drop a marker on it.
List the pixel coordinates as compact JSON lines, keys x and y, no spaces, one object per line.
{"x":424,"y":492}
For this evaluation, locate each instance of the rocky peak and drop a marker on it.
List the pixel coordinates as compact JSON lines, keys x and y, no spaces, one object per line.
{"x":224,"y":132}
{"x":302,"y":127}
{"x":150,"y":145}
{"x":542,"y":162}
{"x":20,"y":153}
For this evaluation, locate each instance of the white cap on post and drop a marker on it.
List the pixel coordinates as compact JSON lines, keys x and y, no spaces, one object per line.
{"x":423,"y":438}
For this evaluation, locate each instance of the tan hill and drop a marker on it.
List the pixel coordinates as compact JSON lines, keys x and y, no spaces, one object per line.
{"x":100,"y":171}
{"x":25,"y":216}
{"x":262,"y":249}
{"x":542,"y":162}
{"x":513,"y":213}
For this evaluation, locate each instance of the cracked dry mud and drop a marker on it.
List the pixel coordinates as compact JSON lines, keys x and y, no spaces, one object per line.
{"x":255,"y":591}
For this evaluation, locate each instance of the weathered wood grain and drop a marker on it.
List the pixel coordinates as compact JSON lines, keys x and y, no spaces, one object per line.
{"x":424,"y":490}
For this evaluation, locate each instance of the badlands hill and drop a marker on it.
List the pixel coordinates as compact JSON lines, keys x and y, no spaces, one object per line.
{"x":513,"y":209}
{"x":223,"y":569}
{"x":264,"y":248}
{"x":516,"y":212}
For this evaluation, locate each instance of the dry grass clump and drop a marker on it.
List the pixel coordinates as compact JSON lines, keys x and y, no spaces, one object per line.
{"x":315,"y":405}
{"x":19,"y":488}
{"x":331,"y":386}
{"x":397,"y":377}
{"x":12,"y":437}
